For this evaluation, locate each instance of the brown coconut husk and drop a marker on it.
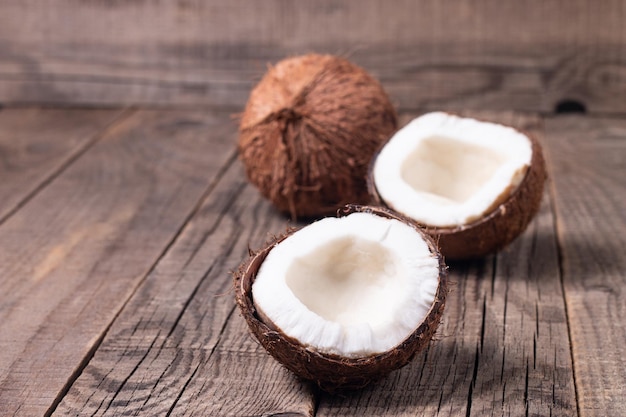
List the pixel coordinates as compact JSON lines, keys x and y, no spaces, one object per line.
{"x":333,"y":373}
{"x":309,"y":130}
{"x":499,"y":227}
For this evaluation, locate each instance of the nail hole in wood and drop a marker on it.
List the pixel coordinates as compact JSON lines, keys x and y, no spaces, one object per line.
{"x":570,"y":106}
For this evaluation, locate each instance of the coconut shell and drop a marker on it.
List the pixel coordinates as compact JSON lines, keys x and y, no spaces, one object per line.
{"x":496,"y":229}
{"x":309,"y":130}
{"x":332,"y":372}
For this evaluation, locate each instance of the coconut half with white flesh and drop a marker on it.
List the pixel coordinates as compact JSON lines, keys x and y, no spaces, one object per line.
{"x":346,"y":300}
{"x":473,"y":185}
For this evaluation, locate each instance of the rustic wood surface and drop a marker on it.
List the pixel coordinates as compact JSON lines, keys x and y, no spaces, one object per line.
{"x":589,"y":164}
{"x":36,"y":145}
{"x":481,"y":54}
{"x":120,"y":228}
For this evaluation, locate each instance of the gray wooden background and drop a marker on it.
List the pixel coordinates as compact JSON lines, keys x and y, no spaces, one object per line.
{"x":485,"y":54}
{"x":119,"y":226}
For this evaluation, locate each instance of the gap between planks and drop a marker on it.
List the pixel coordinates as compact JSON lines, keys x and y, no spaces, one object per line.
{"x":78,"y":298}
{"x":69,"y":160}
{"x":76,"y":374}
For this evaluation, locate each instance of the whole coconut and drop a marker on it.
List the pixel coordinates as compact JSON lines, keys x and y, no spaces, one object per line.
{"x":309,"y":130}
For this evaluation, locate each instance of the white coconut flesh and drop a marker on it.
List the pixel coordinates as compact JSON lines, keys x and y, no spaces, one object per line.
{"x":351,"y":286}
{"x":444,"y":170}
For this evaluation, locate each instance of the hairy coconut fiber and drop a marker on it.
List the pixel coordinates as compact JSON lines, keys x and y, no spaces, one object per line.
{"x":496,"y":229}
{"x":332,"y":372}
{"x":309,"y":130}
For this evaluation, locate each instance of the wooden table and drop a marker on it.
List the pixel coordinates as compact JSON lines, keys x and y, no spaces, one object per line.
{"x":119,"y":229}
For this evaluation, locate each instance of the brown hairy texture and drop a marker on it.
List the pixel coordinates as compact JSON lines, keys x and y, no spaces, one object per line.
{"x":309,"y":130}
{"x":330,"y":372}
{"x":498,"y":228}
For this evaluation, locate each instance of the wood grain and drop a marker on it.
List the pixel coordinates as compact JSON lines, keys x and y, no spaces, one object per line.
{"x":36,"y":144}
{"x":429,"y":54}
{"x":115,"y":292}
{"x":180,"y":347}
{"x":74,"y":254}
{"x":588,"y":164}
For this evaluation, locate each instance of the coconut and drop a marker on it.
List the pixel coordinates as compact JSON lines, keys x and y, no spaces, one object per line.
{"x":309,"y":130}
{"x":345,"y":300}
{"x":473,"y":185}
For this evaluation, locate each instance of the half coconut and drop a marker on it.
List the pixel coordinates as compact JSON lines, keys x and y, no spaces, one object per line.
{"x":473,"y":185}
{"x":345,"y":300}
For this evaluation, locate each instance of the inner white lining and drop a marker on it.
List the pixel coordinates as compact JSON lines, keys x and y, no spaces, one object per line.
{"x":353,"y":286}
{"x":443,"y":170}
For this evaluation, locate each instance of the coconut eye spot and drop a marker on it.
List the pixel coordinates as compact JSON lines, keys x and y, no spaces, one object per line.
{"x":348,"y":281}
{"x":450,"y":169}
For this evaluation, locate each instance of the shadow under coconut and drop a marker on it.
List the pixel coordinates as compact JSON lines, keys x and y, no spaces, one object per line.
{"x":452,"y":375}
{"x":542,"y":255}
{"x":533,"y":255}
{"x":438,"y":377}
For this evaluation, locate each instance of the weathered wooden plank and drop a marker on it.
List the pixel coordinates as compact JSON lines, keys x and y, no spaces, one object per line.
{"x":74,"y":254}
{"x":179,"y":346}
{"x":588,"y":166}
{"x":526,"y":55}
{"x":503,"y":346}
{"x":243,"y":380}
{"x":36,"y":144}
